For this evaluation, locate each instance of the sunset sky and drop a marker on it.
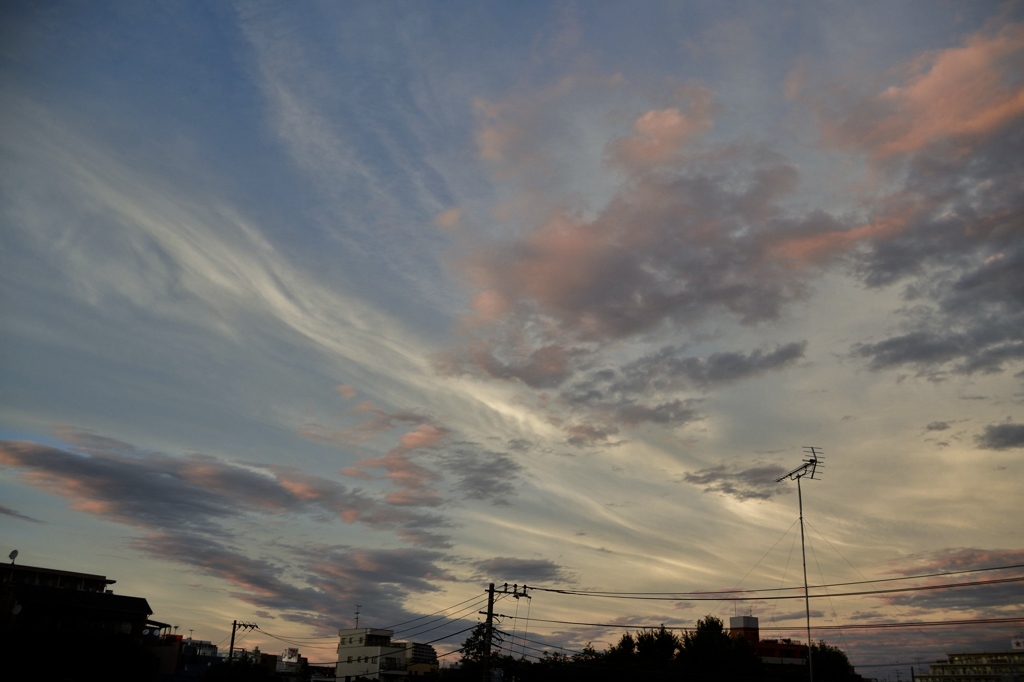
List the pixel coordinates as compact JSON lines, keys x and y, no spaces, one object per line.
{"x":310,"y":305}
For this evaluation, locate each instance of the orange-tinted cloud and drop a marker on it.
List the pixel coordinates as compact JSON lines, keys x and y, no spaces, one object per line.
{"x":414,"y":481}
{"x":375,"y":422}
{"x":962,"y":93}
{"x":660,"y":135}
{"x":450,"y":219}
{"x":197,"y":493}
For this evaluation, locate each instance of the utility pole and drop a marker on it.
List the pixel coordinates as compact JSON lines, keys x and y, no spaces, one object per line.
{"x":488,"y":633}
{"x":234,"y":626}
{"x":489,"y":625}
{"x":808,"y":468}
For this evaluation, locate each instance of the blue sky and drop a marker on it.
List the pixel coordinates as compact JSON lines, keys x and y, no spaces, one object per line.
{"x":328,"y":304}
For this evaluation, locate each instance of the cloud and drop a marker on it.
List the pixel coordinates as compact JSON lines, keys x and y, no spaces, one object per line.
{"x":1001,"y":437}
{"x":963,"y":93}
{"x":521,"y":571}
{"x":414,"y":481}
{"x":754,"y":483}
{"x":937,"y":426}
{"x":11,"y":513}
{"x":336,"y":577}
{"x":997,"y":599}
{"x":696,"y":237}
{"x":666,"y":248}
{"x":189,"y":509}
{"x":956,"y":559}
{"x":450,"y":219}
{"x":156,"y":491}
{"x":660,"y":135}
{"x":953,"y":238}
{"x":642,"y":391}
{"x":375,"y":421}
{"x":671,"y":369}
{"x":482,"y":474}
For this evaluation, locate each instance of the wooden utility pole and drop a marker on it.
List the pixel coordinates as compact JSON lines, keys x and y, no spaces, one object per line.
{"x":234,"y":626}
{"x":488,"y":633}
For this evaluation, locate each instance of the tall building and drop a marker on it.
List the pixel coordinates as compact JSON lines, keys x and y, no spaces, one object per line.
{"x":370,"y":653}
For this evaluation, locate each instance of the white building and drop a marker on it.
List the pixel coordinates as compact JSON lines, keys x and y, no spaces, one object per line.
{"x":371,"y":654}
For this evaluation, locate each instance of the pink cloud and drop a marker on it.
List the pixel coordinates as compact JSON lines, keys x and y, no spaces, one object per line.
{"x":450,"y":219}
{"x":375,"y":422}
{"x":660,"y":135}
{"x":422,"y":436}
{"x":965,"y":92}
{"x":346,"y":391}
{"x":414,"y":481}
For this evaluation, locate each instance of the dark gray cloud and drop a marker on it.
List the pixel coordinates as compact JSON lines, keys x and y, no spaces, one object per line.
{"x":11,"y":513}
{"x":482,"y":474}
{"x":754,"y":483}
{"x":336,"y":578}
{"x":628,"y":396}
{"x":1001,"y":437}
{"x":671,"y":369}
{"x":190,"y":508}
{"x":155,"y":491}
{"x":937,"y":426}
{"x":520,"y":571}
{"x":960,"y":251}
{"x":995,"y":599}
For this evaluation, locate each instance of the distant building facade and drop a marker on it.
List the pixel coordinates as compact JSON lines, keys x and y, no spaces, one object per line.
{"x":1000,"y":666}
{"x":370,"y":653}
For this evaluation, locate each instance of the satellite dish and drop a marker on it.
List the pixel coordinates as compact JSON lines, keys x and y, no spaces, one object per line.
{"x":13,"y":555}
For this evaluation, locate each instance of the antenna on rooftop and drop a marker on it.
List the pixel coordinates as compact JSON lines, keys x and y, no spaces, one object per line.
{"x":13,"y":555}
{"x":357,"y":615}
{"x":809,"y":468}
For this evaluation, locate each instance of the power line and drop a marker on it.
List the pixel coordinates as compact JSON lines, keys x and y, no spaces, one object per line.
{"x":668,"y":595}
{"x":392,"y":627}
{"x":860,"y":626}
{"x":549,"y":644}
{"x":416,"y":630}
{"x":719,"y":597}
{"x":912,"y":624}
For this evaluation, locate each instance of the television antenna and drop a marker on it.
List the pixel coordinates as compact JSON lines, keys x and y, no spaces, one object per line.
{"x":808,"y":469}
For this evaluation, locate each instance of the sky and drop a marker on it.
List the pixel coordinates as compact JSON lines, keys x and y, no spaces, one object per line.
{"x":314,"y":305}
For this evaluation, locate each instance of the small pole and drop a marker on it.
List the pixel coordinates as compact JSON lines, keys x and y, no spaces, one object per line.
{"x":231,"y":651}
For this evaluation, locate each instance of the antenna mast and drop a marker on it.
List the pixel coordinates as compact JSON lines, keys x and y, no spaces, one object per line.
{"x":809,"y":468}
{"x":358,"y":606}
